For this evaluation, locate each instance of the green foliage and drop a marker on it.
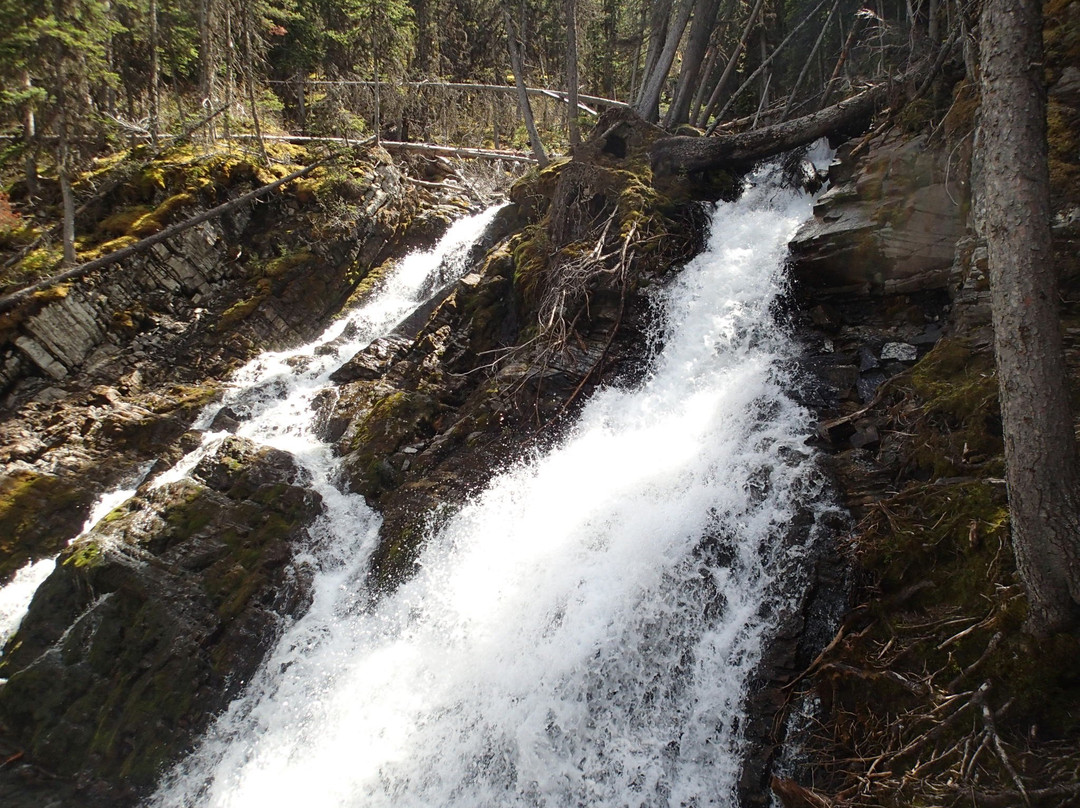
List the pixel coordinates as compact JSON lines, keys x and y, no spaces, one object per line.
{"x":959,"y":423}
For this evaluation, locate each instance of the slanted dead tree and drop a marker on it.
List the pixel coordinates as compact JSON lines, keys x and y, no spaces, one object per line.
{"x":513,"y":45}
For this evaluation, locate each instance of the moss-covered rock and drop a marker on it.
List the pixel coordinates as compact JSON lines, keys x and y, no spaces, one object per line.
{"x":39,"y":513}
{"x":151,"y":622}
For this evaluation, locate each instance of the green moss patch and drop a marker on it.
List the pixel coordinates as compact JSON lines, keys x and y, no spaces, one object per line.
{"x":958,"y":423}
{"x":933,"y":665}
{"x":38,"y":514}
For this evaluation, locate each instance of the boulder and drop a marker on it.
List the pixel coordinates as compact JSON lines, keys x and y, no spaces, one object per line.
{"x":152,"y":622}
{"x":890,"y":228}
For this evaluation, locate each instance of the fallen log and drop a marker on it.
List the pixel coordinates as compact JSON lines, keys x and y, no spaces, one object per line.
{"x":401,"y":146}
{"x":682,"y":154}
{"x":10,"y":301}
{"x":473,"y":87}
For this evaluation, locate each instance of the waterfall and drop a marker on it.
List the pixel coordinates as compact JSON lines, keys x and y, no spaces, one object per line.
{"x":15,"y":596}
{"x":583,"y":631}
{"x":273,"y":395}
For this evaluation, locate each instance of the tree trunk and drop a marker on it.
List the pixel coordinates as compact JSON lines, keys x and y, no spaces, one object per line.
{"x":154,"y":74}
{"x":30,"y":136}
{"x":67,"y":198}
{"x":610,"y":26}
{"x":523,"y":96}
{"x":703,"y":82}
{"x":729,"y":68}
{"x":697,"y":44}
{"x":1013,"y":210}
{"x":845,"y":51}
{"x":229,"y":71}
{"x":809,"y":61}
{"x":249,"y":82}
{"x":206,"y":61}
{"x":572,"y":72}
{"x":648,"y":106}
{"x":766,"y":61}
{"x":659,"y":13}
{"x":301,"y":99}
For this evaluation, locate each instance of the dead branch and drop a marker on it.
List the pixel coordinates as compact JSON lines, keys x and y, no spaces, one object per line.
{"x":12,"y":300}
{"x":1008,"y":799}
{"x":493,"y":88}
{"x":991,"y":731}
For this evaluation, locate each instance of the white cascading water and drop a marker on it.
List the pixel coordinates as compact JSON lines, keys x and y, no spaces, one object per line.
{"x":582,"y":632}
{"x":15,"y":596}
{"x":274,"y":393}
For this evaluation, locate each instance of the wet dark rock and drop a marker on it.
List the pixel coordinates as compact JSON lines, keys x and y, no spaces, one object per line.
{"x":227,"y":420}
{"x":151,"y":623}
{"x":868,"y":359}
{"x":865,"y":435}
{"x":868,"y":384}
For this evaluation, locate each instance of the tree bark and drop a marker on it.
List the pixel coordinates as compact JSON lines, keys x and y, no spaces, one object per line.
{"x":659,"y":13}
{"x":697,"y":44}
{"x":523,"y":95}
{"x":206,"y":60}
{"x":230,"y":53}
{"x":30,"y":136}
{"x":572,"y":72}
{"x":154,"y":75}
{"x":1013,"y":212}
{"x":68,"y":202}
{"x":648,"y":106}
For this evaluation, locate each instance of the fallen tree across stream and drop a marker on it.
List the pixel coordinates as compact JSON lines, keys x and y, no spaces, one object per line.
{"x":683,"y":154}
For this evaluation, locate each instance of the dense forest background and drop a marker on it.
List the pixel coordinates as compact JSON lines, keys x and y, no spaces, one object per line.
{"x":83,"y":76}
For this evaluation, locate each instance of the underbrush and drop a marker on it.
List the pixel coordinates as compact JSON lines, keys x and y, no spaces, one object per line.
{"x":931,"y":692}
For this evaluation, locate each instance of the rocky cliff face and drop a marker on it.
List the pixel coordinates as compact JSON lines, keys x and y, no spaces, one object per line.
{"x":102,"y":376}
{"x":150,"y":623}
{"x":154,"y":621}
{"x":929,"y":661}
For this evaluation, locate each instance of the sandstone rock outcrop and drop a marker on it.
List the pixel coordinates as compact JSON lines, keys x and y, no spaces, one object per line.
{"x":887,"y":225}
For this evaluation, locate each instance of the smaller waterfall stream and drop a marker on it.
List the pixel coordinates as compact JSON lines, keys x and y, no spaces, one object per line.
{"x":273,"y":396}
{"x":582,"y":632}
{"x":15,"y":596}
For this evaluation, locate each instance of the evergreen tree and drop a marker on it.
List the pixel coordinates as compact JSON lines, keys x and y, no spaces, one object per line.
{"x":59,"y":49}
